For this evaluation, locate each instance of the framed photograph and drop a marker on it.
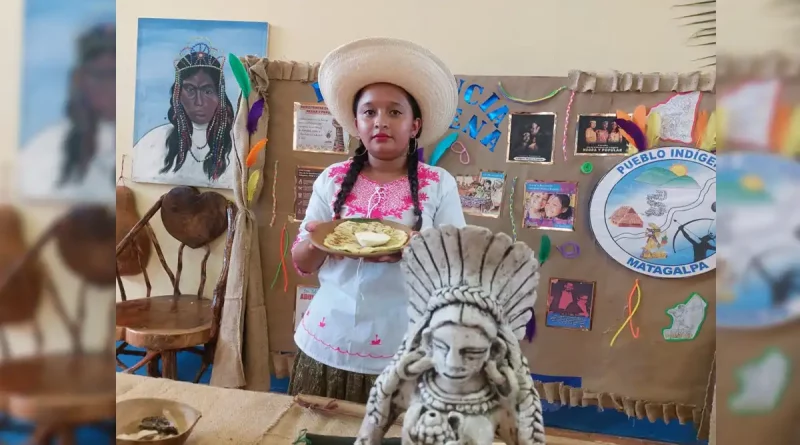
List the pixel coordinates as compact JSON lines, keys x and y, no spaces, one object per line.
{"x":304,"y":178}
{"x":316,"y":130}
{"x":550,"y":205}
{"x":599,"y":135}
{"x":186,"y":99}
{"x":482,"y":194}
{"x":531,"y":138}
{"x":570,"y":303}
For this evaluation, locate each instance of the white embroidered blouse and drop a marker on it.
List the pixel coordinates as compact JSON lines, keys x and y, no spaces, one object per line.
{"x":358,"y":316}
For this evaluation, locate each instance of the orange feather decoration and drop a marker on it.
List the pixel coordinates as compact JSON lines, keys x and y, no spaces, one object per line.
{"x":700,"y":128}
{"x":780,"y":126}
{"x":253,"y":155}
{"x":640,"y":117}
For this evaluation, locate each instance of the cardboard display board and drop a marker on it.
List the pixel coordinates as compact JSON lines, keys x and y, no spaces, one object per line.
{"x":646,"y":377}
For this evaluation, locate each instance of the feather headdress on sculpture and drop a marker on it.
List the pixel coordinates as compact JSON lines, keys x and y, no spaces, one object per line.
{"x":470,"y":267}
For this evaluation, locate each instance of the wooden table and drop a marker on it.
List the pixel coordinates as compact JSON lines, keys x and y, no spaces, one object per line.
{"x":257,"y":418}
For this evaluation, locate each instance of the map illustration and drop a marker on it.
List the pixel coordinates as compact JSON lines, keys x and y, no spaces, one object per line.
{"x":656,"y":212}
{"x":687,"y":319}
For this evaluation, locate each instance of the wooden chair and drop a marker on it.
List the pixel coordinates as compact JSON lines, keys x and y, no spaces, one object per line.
{"x":165,"y":325}
{"x":59,"y":392}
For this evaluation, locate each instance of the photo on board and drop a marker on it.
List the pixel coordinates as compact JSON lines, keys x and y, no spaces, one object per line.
{"x":531,"y":138}
{"x":67,"y":124}
{"x":481,"y":194}
{"x":186,"y":99}
{"x":599,"y":135}
{"x":570,"y":304}
{"x":316,"y":130}
{"x":550,"y":205}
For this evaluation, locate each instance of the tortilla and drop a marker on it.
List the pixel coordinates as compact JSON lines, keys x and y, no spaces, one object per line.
{"x":343,"y":238}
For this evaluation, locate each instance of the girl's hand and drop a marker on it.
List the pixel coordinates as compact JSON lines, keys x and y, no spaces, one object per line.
{"x":310,"y":227}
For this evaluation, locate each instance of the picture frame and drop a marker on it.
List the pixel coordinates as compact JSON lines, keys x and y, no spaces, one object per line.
{"x":526,"y":149}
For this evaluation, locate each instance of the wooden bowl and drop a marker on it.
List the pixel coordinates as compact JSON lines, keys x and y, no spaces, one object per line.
{"x":131,"y":412}
{"x":324,"y":229}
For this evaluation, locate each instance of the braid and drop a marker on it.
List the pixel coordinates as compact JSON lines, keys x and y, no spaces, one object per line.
{"x":413,"y":182}
{"x":356,"y":165}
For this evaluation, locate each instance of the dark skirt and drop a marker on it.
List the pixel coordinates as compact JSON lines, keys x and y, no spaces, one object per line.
{"x":315,"y":379}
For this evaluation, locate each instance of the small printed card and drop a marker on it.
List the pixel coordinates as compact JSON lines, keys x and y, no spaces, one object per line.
{"x":569,"y":304}
{"x":687,"y":318}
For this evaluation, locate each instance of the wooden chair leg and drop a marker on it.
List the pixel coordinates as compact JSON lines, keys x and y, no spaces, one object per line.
{"x":144,"y":361}
{"x":169,"y":364}
{"x":152,"y":368}
{"x":43,"y":435}
{"x":203,"y":368}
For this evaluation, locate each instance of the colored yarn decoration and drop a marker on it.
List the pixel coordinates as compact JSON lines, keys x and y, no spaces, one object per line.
{"x":420,"y":154}
{"x":253,"y":155}
{"x":282,"y":265}
{"x":566,"y":124}
{"x":274,"y":194}
{"x":530,"y":328}
{"x":252,"y":183}
{"x":631,"y":313}
{"x":544,"y":249}
{"x":511,"y":209}
{"x":240,"y":73}
{"x":256,"y":110}
{"x":508,"y":96}
{"x":441,"y":148}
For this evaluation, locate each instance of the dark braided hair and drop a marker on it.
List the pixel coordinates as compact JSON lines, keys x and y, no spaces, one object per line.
{"x":80,"y":143}
{"x":361,"y":158}
{"x":179,"y":141}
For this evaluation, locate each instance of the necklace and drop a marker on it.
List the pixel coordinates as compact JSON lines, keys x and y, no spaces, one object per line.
{"x":191,"y":152}
{"x":478,"y":403}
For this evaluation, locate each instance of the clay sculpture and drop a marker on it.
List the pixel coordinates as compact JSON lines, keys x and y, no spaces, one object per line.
{"x":459,"y":374}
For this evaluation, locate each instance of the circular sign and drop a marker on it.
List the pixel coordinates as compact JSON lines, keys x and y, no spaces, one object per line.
{"x":655,"y":212}
{"x":759,"y":269}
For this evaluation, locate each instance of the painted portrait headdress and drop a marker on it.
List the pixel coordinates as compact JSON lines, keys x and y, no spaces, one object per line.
{"x":473,"y":267}
{"x":200,"y":54}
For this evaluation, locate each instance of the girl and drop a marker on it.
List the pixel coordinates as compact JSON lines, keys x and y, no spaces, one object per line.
{"x":558,"y":207}
{"x":358,"y":317}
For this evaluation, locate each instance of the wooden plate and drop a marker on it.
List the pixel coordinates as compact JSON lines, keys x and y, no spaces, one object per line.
{"x":323,"y":230}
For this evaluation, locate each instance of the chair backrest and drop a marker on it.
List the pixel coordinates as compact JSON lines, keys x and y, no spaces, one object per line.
{"x":194,"y":219}
{"x":84,"y":236}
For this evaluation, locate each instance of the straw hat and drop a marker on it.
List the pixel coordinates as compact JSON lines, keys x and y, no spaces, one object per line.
{"x":351,"y":67}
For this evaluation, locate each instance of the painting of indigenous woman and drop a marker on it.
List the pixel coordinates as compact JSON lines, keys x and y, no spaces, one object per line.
{"x":67,"y":120}
{"x":186,"y":99}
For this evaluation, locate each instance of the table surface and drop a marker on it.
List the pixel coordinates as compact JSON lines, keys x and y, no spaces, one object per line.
{"x":256,"y":418}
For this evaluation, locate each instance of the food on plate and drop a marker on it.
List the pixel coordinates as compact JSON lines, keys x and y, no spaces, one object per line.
{"x":152,"y":428}
{"x":362,"y":238}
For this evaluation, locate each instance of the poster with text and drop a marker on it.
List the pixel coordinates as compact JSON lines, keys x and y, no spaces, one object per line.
{"x":186,"y":99}
{"x":599,"y":135}
{"x":550,"y":205}
{"x":481,"y":194}
{"x":302,"y":300}
{"x":67,"y":115}
{"x":655,"y":212}
{"x":316,"y":130}
{"x":303,"y":188}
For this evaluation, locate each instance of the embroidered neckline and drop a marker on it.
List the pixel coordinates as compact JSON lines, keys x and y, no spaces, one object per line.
{"x":477,"y":403}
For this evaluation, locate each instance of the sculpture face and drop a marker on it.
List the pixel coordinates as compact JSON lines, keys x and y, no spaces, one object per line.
{"x":459,"y":352}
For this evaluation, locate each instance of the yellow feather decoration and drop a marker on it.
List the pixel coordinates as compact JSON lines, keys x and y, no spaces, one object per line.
{"x":791,"y":145}
{"x":252,"y":183}
{"x":653,"y":129}
{"x":709,"y":139}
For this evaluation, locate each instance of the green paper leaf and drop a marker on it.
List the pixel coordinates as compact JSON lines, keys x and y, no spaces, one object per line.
{"x":544,"y":249}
